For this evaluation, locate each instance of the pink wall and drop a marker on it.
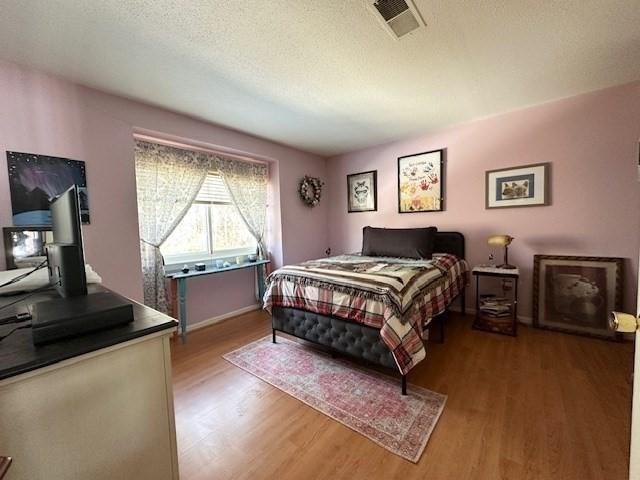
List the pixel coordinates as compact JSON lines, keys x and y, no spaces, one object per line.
{"x":220,"y":294}
{"x":591,"y":141}
{"x":47,"y":115}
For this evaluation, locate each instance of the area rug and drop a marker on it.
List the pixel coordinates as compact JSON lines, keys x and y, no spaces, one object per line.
{"x":366,"y":401}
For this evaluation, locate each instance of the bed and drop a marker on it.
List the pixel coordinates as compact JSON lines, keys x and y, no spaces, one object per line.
{"x":377,"y":309}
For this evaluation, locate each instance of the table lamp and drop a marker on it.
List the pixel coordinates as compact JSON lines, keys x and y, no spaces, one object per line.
{"x":502,"y":241}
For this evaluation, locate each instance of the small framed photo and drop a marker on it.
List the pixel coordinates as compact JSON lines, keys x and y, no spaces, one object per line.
{"x":576,"y":294}
{"x":524,"y":186}
{"x":421,"y":182}
{"x":362,"y":194}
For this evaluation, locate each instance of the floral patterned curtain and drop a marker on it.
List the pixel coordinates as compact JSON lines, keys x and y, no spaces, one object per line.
{"x":247,"y":184}
{"x":168,"y":180}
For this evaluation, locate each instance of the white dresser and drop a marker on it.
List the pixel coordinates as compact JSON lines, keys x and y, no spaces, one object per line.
{"x":97,"y":407}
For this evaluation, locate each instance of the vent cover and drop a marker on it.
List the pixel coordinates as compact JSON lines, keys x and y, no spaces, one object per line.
{"x":390,"y":8}
{"x":398,"y":17}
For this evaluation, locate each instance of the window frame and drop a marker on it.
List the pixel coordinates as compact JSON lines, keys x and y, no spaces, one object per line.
{"x":177,"y":260}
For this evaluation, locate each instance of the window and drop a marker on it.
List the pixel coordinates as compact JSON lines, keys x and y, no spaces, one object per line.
{"x":211,"y":228}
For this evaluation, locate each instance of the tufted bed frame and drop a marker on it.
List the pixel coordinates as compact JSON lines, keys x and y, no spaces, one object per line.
{"x":354,"y":339}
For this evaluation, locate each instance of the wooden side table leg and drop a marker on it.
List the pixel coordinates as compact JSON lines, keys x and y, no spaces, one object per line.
{"x":260,"y":283}
{"x":173,"y":298}
{"x":463,"y":302}
{"x":182,"y":304}
{"x":515,"y":308}
{"x":477,"y":316}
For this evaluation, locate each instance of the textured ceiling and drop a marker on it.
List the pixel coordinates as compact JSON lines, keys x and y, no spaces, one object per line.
{"x":323,"y":75}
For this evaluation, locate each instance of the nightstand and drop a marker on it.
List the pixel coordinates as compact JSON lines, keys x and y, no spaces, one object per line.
{"x":497,"y":313}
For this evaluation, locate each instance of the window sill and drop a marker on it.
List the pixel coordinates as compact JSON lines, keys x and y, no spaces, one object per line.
{"x":213,"y":270}
{"x":174,"y":264}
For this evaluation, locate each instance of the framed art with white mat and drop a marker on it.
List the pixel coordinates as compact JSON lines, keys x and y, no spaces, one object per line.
{"x":421,"y":182}
{"x":362,"y":195}
{"x":523,"y":186}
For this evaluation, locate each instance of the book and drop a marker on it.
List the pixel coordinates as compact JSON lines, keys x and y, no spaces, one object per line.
{"x":496,"y":314}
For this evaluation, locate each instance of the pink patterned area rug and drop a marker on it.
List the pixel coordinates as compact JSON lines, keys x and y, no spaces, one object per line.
{"x":366,"y":401}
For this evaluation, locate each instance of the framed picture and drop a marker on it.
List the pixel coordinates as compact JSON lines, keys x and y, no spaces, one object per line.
{"x":421,"y":182}
{"x":524,"y":186}
{"x":36,"y":179}
{"x":576,"y":294}
{"x":24,"y":247}
{"x":362,"y":192}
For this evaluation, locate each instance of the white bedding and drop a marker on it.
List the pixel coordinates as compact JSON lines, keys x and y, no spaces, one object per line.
{"x":36,"y":280}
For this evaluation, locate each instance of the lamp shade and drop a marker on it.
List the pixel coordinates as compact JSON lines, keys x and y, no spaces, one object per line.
{"x":499,"y":240}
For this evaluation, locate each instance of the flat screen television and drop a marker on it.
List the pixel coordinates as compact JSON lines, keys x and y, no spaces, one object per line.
{"x":65,"y":255}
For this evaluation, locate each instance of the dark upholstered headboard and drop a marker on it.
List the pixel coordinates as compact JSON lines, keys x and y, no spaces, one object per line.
{"x":450,"y":242}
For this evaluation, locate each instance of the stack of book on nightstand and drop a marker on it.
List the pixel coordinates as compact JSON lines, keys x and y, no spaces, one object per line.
{"x":494,"y":306}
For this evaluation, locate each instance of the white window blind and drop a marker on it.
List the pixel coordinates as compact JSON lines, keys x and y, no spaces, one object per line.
{"x":213,"y":191}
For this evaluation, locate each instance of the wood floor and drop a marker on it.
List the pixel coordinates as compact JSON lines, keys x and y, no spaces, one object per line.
{"x":543,"y":405}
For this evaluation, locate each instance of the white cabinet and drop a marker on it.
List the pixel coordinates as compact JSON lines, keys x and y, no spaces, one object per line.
{"x":101,"y":416}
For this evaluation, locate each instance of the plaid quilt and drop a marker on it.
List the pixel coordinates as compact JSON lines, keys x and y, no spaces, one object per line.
{"x":398,"y":296}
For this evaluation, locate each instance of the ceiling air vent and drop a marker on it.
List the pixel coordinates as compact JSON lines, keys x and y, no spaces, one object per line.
{"x":398,"y":17}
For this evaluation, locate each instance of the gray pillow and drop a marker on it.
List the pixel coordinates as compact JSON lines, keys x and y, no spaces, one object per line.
{"x":399,"y":242}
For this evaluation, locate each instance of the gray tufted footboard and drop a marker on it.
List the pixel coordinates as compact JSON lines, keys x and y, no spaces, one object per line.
{"x":353,"y":339}
{"x":350,"y":338}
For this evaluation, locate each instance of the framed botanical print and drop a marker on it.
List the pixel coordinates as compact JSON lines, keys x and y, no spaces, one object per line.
{"x":362,"y":194}
{"x":524,"y":186}
{"x":576,"y":294}
{"x":421,"y":182}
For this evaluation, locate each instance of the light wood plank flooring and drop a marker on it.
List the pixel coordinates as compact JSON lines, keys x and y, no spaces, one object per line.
{"x":543,"y":405}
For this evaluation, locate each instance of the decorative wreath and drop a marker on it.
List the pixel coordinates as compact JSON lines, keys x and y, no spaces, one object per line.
{"x":310,"y":190}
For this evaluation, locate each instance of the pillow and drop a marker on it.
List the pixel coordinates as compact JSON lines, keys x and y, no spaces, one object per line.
{"x":398,"y":242}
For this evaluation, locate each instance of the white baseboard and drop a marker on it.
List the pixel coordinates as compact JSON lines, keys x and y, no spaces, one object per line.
{"x":472,"y":311}
{"x":224,"y":316}
{"x":250,"y":308}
